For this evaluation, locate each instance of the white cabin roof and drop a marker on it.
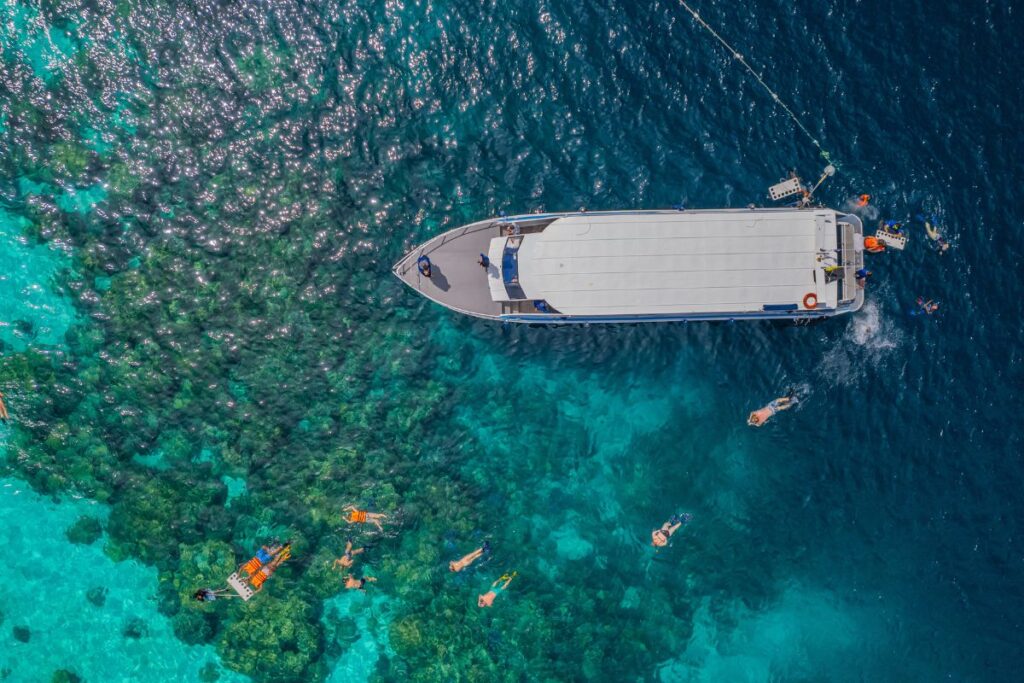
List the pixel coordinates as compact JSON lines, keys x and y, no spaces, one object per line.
{"x":685,"y":262}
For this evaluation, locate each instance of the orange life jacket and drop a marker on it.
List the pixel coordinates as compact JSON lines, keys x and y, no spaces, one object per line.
{"x":252,"y":566}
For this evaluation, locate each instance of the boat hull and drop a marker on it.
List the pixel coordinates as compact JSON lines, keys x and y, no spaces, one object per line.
{"x":458,"y":282}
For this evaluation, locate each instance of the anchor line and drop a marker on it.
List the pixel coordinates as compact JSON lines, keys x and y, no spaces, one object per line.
{"x":775,"y":97}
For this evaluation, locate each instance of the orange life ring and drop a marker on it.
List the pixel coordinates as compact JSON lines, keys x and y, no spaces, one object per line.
{"x":811,"y":301}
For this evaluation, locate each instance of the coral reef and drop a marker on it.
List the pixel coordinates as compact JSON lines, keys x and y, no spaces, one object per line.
{"x":85,"y":530}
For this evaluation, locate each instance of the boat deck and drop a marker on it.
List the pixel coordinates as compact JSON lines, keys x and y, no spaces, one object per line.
{"x":692,"y":262}
{"x":457,"y":280}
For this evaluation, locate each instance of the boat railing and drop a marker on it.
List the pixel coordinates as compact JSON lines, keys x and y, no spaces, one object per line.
{"x":524,"y":225}
{"x":433,"y":245}
{"x":852,"y":261}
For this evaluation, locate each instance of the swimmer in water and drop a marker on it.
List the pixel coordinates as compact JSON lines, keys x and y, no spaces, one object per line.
{"x":660,"y":537}
{"x":3,"y":410}
{"x":354,"y":584}
{"x":927,"y":307}
{"x":209,"y":594}
{"x":356,"y":516}
{"x":872,"y":245}
{"x":487,"y":599}
{"x":348,"y":559}
{"x":863,"y":200}
{"x":762,"y":415}
{"x":933,"y":234}
{"x":467,"y":560}
{"x":862,"y":276}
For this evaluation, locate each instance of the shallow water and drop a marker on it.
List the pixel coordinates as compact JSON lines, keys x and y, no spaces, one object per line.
{"x":198,"y":211}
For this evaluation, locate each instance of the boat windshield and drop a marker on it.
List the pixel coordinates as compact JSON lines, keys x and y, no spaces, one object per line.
{"x":510,"y":268}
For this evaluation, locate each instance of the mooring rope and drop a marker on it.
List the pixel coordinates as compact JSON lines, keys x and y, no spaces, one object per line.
{"x":738,"y":57}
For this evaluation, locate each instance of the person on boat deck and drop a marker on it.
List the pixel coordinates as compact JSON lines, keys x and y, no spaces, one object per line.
{"x":466,"y":560}
{"x":3,"y":409}
{"x":423,"y":264}
{"x":927,"y":307}
{"x":487,"y":599}
{"x":209,"y":594}
{"x":872,"y":245}
{"x":352,"y":583}
{"x":762,"y":415}
{"x":862,"y":276}
{"x":363,"y":517}
{"x":348,"y":559}
{"x":484,"y":262}
{"x":660,"y":537}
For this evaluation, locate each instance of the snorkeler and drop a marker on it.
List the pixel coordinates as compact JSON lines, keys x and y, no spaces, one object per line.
{"x":863,"y":200}
{"x":467,"y":560}
{"x":862,"y":276}
{"x":872,"y":245}
{"x":423,"y":265}
{"x":348,"y":559}
{"x":362,"y":517}
{"x":266,"y":571}
{"x":487,"y":599}
{"x":209,"y":594}
{"x":933,"y":234}
{"x":352,"y":583}
{"x":660,"y":537}
{"x":762,"y":415}
{"x":3,"y":409}
{"x":927,"y":307}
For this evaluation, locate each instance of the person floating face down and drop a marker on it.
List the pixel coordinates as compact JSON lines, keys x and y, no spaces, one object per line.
{"x":762,"y":415}
{"x":927,"y":307}
{"x":873,"y":245}
{"x":266,"y":571}
{"x":660,"y":537}
{"x":348,"y":559}
{"x":356,"y":516}
{"x":466,"y":560}
{"x":933,"y":233}
{"x":487,"y":599}
{"x":354,"y":584}
{"x":211,"y":594}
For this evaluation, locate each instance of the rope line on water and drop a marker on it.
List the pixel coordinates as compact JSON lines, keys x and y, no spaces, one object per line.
{"x":738,"y":57}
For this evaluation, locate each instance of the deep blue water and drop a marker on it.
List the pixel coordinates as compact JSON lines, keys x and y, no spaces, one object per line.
{"x":874,"y":533}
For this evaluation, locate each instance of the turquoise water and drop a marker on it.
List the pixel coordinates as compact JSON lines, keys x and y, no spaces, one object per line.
{"x":33,"y":310}
{"x":202,"y":345}
{"x":77,"y":604}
